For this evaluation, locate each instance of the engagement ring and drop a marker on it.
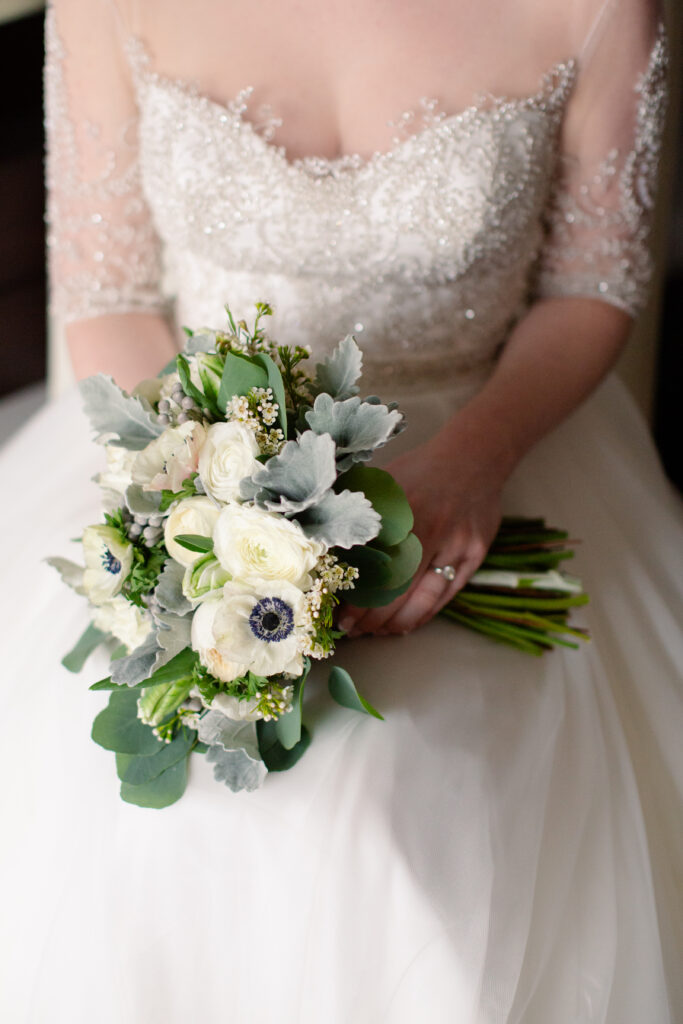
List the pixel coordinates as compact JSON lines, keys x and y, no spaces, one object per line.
{"x":447,"y":571}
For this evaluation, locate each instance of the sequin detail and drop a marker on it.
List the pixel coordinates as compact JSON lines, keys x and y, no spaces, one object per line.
{"x":599,"y":227}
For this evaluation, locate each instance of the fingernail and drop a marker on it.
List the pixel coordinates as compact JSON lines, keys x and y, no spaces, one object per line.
{"x":345,"y":623}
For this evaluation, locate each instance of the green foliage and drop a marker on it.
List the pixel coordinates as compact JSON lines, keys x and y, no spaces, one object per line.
{"x":137,"y":770}
{"x":275,"y":383}
{"x":343,"y":690}
{"x":194,"y":542}
{"x":288,"y":726}
{"x":203,"y":400}
{"x":276,"y":757}
{"x":161,"y":791}
{"x":240,"y":374}
{"x":188,"y":489}
{"x":112,"y":411}
{"x":161,"y":700}
{"x":118,"y":727}
{"x":387,"y":498}
{"x":89,"y":641}
{"x":385,"y":573}
{"x":144,"y":574}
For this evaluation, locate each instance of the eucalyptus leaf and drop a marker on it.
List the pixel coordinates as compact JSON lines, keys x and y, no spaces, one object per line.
{"x":139,"y":770}
{"x":298,"y":477}
{"x":89,"y":641}
{"x":357,"y":428}
{"x":159,"y":792}
{"x":71,"y":572}
{"x":240,"y":374}
{"x":276,"y":757}
{"x":118,"y":727}
{"x":288,"y":726}
{"x":111,"y":411}
{"x":343,"y":690}
{"x":338,"y":373}
{"x":387,"y":497}
{"x":376,"y":597}
{"x":341,"y":520}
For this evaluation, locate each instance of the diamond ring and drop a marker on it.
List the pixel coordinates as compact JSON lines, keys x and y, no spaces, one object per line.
{"x":447,"y":571}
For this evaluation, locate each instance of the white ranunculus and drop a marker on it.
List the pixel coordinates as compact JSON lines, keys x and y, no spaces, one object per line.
{"x":192,"y":515}
{"x":203,"y":578}
{"x":227,"y":456}
{"x":253,"y":544}
{"x":108,"y":560}
{"x":203,"y":642}
{"x":117,"y":476}
{"x":236,"y":709}
{"x":170,"y":458}
{"x":128,"y":623}
{"x":258,"y":625}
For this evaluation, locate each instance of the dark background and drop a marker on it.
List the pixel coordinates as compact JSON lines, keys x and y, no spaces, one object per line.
{"x":22,"y":263}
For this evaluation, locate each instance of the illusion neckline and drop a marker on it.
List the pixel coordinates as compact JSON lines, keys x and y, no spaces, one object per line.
{"x":554,"y":88}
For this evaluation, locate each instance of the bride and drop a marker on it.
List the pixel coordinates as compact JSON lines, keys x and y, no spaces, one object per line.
{"x":505,"y":847}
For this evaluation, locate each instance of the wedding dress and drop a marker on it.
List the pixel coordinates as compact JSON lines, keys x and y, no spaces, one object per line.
{"x":505,"y":846}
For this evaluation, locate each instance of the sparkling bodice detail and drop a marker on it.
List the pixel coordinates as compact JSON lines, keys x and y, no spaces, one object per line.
{"x":428,"y":252}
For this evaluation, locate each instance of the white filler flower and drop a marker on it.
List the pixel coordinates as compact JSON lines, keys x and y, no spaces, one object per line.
{"x":252,"y":544}
{"x":259,"y":625}
{"x":108,"y":561}
{"x":192,"y":515}
{"x":204,"y":643}
{"x":227,"y":456}
{"x":128,"y":623}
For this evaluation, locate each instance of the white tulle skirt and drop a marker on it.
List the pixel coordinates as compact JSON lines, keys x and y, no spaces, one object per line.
{"x":505,"y":847}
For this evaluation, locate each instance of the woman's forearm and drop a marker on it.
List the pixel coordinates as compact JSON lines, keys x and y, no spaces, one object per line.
{"x":554,"y":358}
{"x":127,"y":346}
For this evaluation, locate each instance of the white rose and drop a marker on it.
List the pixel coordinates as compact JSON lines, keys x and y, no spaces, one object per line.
{"x":192,"y":515}
{"x":204,"y":644}
{"x":108,"y":560}
{"x":204,"y":577}
{"x":238,"y":710}
{"x":128,"y":623}
{"x":170,"y":458}
{"x":227,"y":456}
{"x":253,"y":544}
{"x":258,"y":625}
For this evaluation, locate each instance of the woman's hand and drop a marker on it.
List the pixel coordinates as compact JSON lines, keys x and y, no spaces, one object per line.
{"x":454,"y":491}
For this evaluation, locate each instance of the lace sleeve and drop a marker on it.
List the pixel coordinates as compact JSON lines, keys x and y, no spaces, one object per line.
{"x":103,"y":252}
{"x":599,"y":216}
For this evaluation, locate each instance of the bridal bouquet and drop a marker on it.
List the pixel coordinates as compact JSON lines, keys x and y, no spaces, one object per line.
{"x":238,"y":509}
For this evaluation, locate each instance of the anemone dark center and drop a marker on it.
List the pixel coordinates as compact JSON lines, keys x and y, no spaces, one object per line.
{"x":271,"y":619}
{"x":110,"y":562}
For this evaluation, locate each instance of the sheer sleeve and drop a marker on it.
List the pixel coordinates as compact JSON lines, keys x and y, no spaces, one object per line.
{"x":103,"y":251}
{"x":599,"y":216}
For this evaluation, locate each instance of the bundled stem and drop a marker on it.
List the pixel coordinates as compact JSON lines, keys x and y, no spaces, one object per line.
{"x":518,"y":598}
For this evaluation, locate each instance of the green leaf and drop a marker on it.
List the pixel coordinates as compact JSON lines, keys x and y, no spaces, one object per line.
{"x":240,"y":373}
{"x":178,"y":667}
{"x":405,"y":560}
{"x":159,"y":701}
{"x":118,"y":727}
{"x":278,"y":388}
{"x":288,"y":727}
{"x":378,"y":597}
{"x":276,"y":757}
{"x":139,"y":770}
{"x":343,"y":690}
{"x":161,"y":791}
{"x":384,"y":574}
{"x":387,"y":498}
{"x":188,"y":387}
{"x":374,"y":566}
{"x":194,"y":542}
{"x":90,"y":640}
{"x":112,"y":411}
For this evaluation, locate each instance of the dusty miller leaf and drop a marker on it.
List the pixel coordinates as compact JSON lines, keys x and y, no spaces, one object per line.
{"x":296,"y":478}
{"x":341,"y":520}
{"x":111,"y":411}
{"x":138,"y":665}
{"x":141,"y":502}
{"x":357,"y":428}
{"x":169,"y":589}
{"x":337,"y":375}
{"x":71,"y":573}
{"x":233,"y":751}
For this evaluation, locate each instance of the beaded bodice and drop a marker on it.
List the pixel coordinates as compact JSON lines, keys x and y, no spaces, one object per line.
{"x":427,"y":252}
